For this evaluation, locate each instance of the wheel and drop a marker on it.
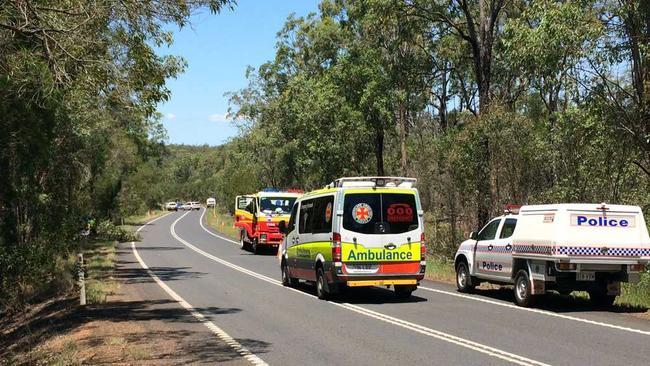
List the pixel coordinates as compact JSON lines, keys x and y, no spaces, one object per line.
{"x":599,"y":297}
{"x":242,"y":240}
{"x":463,"y":279}
{"x":320,"y":285}
{"x":523,"y":295}
{"x":287,"y":280}
{"x":403,"y":291}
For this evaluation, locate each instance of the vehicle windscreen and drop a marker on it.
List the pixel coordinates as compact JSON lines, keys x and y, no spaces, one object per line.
{"x":380,"y":213}
{"x":276,"y":205}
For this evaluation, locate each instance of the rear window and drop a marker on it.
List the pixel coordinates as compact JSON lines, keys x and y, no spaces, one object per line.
{"x":380,"y":213}
{"x":508,"y":228}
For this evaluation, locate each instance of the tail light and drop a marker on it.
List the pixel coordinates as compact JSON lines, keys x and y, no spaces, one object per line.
{"x":423,"y":247}
{"x":336,"y":247}
{"x":565,"y":266}
{"x":637,"y":268}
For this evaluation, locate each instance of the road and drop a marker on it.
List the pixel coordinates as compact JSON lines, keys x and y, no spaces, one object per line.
{"x":238,"y":296}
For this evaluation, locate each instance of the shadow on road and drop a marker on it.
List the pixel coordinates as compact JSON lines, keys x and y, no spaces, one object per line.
{"x":64,"y":316}
{"x":363,"y":295}
{"x":128,"y":274}
{"x":558,"y":303}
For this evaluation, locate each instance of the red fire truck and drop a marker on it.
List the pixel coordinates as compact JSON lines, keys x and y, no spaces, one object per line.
{"x":257,"y":216}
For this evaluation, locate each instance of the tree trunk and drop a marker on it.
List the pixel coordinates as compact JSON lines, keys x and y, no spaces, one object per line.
{"x":442,"y":110}
{"x":483,"y":188}
{"x":379,"y":150}
{"x":402,"y":121}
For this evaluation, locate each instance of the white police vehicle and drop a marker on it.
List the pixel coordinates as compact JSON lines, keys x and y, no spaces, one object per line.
{"x":561,"y":247}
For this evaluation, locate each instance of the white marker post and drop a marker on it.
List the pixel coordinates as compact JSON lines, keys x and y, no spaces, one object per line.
{"x":80,"y":265}
{"x":82,"y":284}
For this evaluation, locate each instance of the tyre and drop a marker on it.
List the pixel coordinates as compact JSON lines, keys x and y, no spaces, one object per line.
{"x":242,"y":240}
{"x":464,"y":281}
{"x":403,"y":291}
{"x":320,"y":284}
{"x":599,"y":297}
{"x":287,"y":280}
{"x":523,"y":294}
{"x":255,"y":248}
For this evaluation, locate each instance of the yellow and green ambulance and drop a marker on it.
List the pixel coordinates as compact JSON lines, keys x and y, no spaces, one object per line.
{"x":360,"y":231}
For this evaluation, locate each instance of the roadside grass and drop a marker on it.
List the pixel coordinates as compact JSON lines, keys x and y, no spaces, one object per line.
{"x":441,"y":270}
{"x":632,"y":295}
{"x":100,"y":259}
{"x":131,"y":223}
{"x":636,"y":295}
{"x":68,"y":355}
{"x":223,"y":222}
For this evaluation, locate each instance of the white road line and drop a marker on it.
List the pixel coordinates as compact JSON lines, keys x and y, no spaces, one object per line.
{"x":493,"y":302}
{"x":220,"y":333}
{"x":213,"y":234}
{"x":462,"y":342}
{"x":536,"y":311}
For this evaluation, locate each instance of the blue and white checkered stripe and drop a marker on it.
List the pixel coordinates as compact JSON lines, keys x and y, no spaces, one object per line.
{"x":495,"y":249}
{"x":610,"y":252}
{"x":534,"y":249}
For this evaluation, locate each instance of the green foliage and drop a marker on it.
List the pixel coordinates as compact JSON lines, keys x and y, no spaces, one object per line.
{"x":384,"y":87}
{"x":107,"y":231}
{"x":79,"y":85}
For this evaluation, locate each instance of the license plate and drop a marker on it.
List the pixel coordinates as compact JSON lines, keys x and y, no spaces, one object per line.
{"x":362,"y":268}
{"x":585,"y":276}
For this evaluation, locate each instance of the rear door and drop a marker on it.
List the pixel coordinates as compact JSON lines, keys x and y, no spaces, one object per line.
{"x":302,"y":253}
{"x":243,"y":211}
{"x":380,"y":231}
{"x":502,"y":249}
{"x":615,"y":231}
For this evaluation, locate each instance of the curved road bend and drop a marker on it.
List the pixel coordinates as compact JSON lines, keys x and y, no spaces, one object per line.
{"x":240,"y":294}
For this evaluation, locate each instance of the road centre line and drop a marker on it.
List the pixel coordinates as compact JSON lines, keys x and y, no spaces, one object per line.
{"x":537,"y":311}
{"x":220,"y":333}
{"x":466,"y":343}
{"x":493,"y":302}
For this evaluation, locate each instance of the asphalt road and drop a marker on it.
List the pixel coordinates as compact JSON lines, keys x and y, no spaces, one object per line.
{"x":238,"y":296}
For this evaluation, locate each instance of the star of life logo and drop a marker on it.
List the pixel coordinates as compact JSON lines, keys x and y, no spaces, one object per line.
{"x":362,"y":213}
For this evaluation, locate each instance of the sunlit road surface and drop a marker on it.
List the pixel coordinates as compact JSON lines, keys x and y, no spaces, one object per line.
{"x":239,"y":297}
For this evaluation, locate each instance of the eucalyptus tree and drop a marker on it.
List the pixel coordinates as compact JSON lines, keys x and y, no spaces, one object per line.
{"x":79,"y":84}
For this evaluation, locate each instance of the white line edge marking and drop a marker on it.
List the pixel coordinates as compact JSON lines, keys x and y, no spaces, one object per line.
{"x":211,"y":233}
{"x":537,"y":311}
{"x":466,"y":343}
{"x":493,"y":302}
{"x":220,"y":333}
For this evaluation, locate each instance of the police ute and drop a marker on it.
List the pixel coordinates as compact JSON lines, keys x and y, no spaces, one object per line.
{"x":560,"y":247}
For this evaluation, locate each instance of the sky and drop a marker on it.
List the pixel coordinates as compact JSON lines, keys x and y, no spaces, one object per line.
{"x":218,"y":48}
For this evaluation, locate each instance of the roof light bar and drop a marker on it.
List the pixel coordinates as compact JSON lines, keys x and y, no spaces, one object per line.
{"x":512,"y":209}
{"x":401,"y":182}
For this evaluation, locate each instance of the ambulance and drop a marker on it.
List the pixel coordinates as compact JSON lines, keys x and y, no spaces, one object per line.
{"x":560,"y":247}
{"x":361,"y":231}
{"x":257,"y":216}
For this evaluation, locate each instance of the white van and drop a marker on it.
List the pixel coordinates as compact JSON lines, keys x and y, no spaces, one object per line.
{"x":561,"y":247}
{"x":210,"y":202}
{"x":365,"y":231}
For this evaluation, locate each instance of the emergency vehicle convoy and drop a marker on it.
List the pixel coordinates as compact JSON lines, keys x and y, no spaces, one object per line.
{"x":257,"y":216}
{"x":561,"y":247}
{"x":362,"y":231}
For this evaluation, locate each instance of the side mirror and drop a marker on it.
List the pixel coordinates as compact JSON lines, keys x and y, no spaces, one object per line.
{"x":473,"y":235}
{"x":283,"y":227}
